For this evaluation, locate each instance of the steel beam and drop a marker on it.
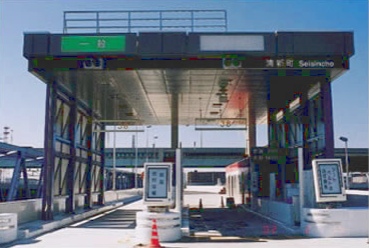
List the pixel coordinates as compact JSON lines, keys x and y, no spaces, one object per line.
{"x":40,"y":182}
{"x":25,"y":179}
{"x":101,"y":174}
{"x":91,"y":144}
{"x":326,"y":96}
{"x":12,"y":194}
{"x":88,"y":199}
{"x":49,"y":143}
{"x":72,"y":126}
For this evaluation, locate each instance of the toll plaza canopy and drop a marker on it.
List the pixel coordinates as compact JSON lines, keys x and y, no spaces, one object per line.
{"x":227,"y":75}
{"x":224,"y":79}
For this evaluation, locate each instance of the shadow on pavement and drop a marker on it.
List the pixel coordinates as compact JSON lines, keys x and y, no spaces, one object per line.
{"x":234,"y":225}
{"x":119,"y":219}
{"x":20,"y":242}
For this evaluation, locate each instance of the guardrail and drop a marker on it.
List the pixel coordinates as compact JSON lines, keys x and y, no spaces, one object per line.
{"x":147,"y":20}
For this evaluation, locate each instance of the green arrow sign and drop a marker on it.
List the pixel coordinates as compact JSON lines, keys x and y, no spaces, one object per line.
{"x":93,"y":44}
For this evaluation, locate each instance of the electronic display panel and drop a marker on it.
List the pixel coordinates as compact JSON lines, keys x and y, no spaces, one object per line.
{"x":158,"y":184}
{"x":328,"y":180}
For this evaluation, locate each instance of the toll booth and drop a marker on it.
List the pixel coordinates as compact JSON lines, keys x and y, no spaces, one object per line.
{"x":277,"y":172}
{"x":238,"y":181}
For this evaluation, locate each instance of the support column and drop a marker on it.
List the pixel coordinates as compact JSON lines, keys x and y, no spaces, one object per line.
{"x":251,"y":131}
{"x":272,"y":140}
{"x":287,"y":129}
{"x":174,"y":124}
{"x":304,"y":119}
{"x":89,"y":136}
{"x":102,"y":167}
{"x":251,"y":125}
{"x":326,"y":96}
{"x":88,"y":199}
{"x":49,"y":157}
{"x":70,"y":207}
{"x":271,"y":122}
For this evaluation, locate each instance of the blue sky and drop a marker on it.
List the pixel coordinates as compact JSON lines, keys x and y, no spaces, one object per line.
{"x":22,"y":96}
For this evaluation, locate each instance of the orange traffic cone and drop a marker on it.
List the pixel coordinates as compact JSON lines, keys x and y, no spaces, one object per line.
{"x":154,"y":243}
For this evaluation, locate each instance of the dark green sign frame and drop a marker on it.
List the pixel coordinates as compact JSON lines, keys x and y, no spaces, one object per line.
{"x":87,"y":44}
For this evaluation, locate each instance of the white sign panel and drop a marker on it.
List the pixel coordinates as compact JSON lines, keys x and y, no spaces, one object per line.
{"x":293,"y":63}
{"x":158,"y":184}
{"x":328,"y":180}
{"x":232,"y":43}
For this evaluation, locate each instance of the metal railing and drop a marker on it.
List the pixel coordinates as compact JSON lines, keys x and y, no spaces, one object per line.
{"x":146,"y":20}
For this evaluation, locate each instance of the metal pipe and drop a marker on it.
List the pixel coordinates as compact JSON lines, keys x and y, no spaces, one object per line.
{"x":301,"y":181}
{"x":347,"y":167}
{"x":114,"y":158}
{"x":344,"y":139}
{"x":179,"y":185}
{"x":136,"y":158}
{"x":147,"y":143}
{"x":367,"y":178}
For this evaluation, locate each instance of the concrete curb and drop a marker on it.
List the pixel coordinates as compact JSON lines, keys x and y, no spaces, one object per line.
{"x":41,"y":228}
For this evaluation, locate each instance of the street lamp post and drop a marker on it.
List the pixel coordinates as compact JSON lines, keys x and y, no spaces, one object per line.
{"x":153,"y":146}
{"x":147,"y":143}
{"x":136,"y":157}
{"x":344,"y":139}
{"x":114,"y":160}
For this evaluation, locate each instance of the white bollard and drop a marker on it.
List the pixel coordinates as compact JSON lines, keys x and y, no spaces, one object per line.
{"x":169,"y":226}
{"x":8,"y":227}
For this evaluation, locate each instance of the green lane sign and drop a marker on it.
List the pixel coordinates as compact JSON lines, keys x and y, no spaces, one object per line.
{"x":84,"y":44}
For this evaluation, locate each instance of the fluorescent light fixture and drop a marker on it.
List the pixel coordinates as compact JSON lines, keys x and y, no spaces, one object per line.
{"x":279,"y":115}
{"x":314,"y":91}
{"x":11,"y":152}
{"x":295,"y":104}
